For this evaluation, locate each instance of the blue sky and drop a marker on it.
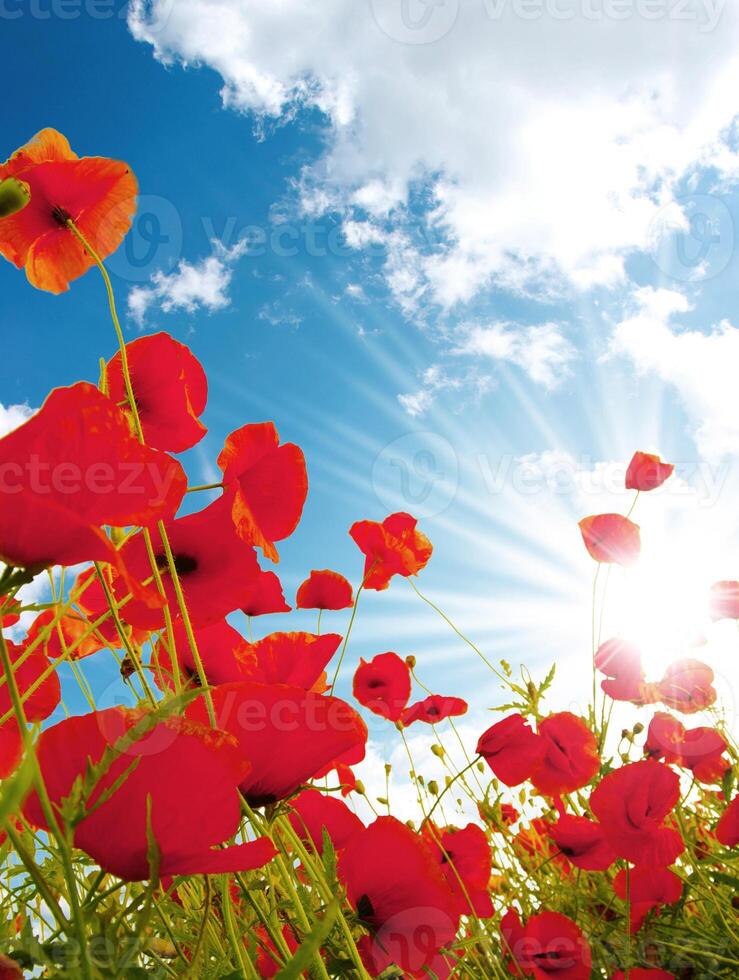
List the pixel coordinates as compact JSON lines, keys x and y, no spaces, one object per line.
{"x":462,"y":275}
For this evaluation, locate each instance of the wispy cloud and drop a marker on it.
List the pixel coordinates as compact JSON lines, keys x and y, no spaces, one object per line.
{"x":11,"y":416}
{"x":701,"y":366}
{"x":204,"y":285}
{"x":436,"y":379}
{"x":541,"y":351}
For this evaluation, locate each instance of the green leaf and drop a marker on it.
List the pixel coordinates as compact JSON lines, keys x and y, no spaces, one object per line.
{"x":329,"y":856}
{"x":310,"y":946}
{"x":13,"y":791}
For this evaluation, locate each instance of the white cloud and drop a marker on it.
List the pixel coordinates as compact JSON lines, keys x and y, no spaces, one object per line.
{"x":204,"y":285}
{"x":703,"y":367}
{"x":515,"y":151}
{"x":541,"y":351}
{"x":12,"y":416}
{"x":278,"y":316}
{"x":436,"y":379}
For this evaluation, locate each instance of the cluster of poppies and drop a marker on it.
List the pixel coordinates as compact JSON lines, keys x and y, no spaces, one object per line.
{"x":92,"y":479}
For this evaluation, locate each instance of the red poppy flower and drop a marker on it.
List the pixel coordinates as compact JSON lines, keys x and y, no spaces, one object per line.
{"x":698,"y":749}
{"x":548,"y":945}
{"x":508,"y":814}
{"x":215,"y":567}
{"x":40,"y":698}
{"x":687,"y":686}
{"x":394,"y":547}
{"x":219,"y":646}
{"x":70,"y":635}
{"x":269,"y":961}
{"x":185,"y":825}
{"x":646,"y":889}
{"x":621,"y":662}
{"x":299,"y":659}
{"x":312,"y":813}
{"x":533,"y":846}
{"x":639,"y":973}
{"x":383,"y":685}
{"x":10,"y":969}
{"x":98,"y":194}
{"x":647,"y":472}
{"x":347,"y":779}
{"x":631,"y":804}
{"x":170,"y":389}
{"x":394,"y":881}
{"x":570,"y":757}
{"x":611,"y":538}
{"x":266,"y":596}
{"x":10,"y":612}
{"x":466,"y":862}
{"x":724,"y":601}
{"x":583,"y":842}
{"x":727,"y":829}
{"x":89,"y":597}
{"x":288,"y":734}
{"x":511,"y":749}
{"x":71,"y":468}
{"x":324,"y":589}
{"x":270,"y":483}
{"x":434,"y":709}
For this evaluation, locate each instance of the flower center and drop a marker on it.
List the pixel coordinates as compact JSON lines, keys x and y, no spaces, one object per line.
{"x":365,"y":908}
{"x":184,"y":564}
{"x":60,"y":215}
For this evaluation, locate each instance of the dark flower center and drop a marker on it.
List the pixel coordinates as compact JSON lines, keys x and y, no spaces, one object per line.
{"x":365,"y":908}
{"x":184,"y":564}
{"x":60,"y":215}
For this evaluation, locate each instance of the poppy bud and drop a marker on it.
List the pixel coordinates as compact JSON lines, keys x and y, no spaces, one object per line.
{"x":438,"y":751}
{"x":638,"y":728}
{"x":359,"y":788}
{"x":433,"y":787}
{"x":14,"y":196}
{"x":383,"y":800}
{"x":410,"y":662}
{"x":388,"y":768}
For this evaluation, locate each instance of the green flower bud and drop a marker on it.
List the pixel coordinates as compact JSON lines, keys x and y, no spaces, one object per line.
{"x":14,"y":196}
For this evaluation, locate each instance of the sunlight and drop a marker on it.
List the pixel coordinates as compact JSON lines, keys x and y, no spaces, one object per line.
{"x":662,"y":603}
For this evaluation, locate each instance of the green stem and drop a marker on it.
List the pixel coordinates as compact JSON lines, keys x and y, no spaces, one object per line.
{"x":47,"y":809}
